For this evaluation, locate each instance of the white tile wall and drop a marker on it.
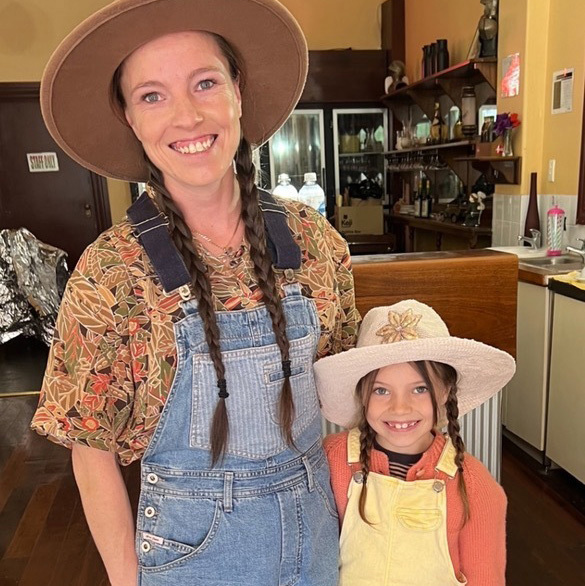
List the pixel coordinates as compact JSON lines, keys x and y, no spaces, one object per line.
{"x":509,"y":215}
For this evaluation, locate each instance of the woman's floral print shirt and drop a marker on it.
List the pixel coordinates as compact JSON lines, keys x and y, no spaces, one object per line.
{"x":113,"y":358}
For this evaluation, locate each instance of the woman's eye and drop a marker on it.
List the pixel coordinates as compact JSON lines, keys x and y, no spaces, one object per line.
{"x":151,"y":97}
{"x":381,"y":391}
{"x":206,"y":84}
{"x":421,"y":390}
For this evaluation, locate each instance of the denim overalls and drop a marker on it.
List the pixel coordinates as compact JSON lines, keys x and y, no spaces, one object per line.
{"x":264,"y":515}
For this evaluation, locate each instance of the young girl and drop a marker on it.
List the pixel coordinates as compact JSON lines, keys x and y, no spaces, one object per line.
{"x":415,"y":508}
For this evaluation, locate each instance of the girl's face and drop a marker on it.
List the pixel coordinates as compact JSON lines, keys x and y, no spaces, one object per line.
{"x":184,"y":107}
{"x":400,"y":409}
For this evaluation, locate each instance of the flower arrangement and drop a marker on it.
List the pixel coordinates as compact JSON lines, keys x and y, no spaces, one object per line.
{"x":505,"y":121}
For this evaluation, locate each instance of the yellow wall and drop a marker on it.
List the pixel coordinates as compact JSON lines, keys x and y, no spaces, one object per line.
{"x":428,"y":20}
{"x":562,"y":132}
{"x":31,"y":29}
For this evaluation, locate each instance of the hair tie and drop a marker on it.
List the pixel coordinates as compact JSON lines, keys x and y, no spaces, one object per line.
{"x":222,"y":385}
{"x":286,"y":368}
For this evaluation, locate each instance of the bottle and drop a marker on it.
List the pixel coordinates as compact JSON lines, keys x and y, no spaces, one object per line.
{"x":468,"y":111}
{"x":555,"y":220}
{"x":437,"y":125}
{"x":312,"y":194}
{"x":418,"y":204}
{"x":442,"y":55}
{"x":426,"y":203}
{"x":284,"y":188}
{"x":433,"y":58}
{"x":532,"y":216}
{"x":415,"y":192}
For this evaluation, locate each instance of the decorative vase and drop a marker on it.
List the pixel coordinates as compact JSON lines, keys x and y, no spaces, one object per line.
{"x":532,"y":216}
{"x":508,"y":151}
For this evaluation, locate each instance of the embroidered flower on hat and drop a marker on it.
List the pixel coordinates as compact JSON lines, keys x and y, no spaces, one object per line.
{"x":401,"y":326}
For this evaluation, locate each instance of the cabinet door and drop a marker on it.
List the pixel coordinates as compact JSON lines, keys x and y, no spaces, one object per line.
{"x":360,"y":136}
{"x":526,"y":396}
{"x":565,"y":442}
{"x":298,"y":148}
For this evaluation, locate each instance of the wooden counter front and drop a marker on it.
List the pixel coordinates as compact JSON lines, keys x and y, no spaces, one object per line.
{"x":473,"y":291}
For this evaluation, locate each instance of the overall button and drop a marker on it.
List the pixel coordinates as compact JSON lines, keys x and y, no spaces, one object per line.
{"x":152,"y":478}
{"x":145,"y":546}
{"x":438,"y":486}
{"x":358,"y":477}
{"x":149,"y":512}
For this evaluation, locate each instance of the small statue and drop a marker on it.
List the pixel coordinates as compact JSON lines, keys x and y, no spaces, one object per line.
{"x":475,"y":209}
{"x":397,"y":78}
{"x":488,"y":29}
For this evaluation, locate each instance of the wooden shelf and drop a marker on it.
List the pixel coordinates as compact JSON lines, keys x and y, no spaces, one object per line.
{"x":500,"y":170}
{"x":362,"y":154}
{"x":471,"y":234}
{"x":449,"y":81}
{"x":432,"y":147}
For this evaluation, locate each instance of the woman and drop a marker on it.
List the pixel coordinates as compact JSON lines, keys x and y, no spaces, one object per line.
{"x":187,"y":332}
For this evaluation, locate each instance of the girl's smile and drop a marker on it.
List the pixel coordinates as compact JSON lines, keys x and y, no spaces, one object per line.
{"x":400,"y":410}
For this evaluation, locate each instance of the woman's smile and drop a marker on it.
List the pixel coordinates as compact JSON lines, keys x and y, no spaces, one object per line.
{"x":184,"y":106}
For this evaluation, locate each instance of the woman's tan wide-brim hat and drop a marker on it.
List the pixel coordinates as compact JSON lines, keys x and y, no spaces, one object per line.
{"x":405,"y":332}
{"x":76,"y":84}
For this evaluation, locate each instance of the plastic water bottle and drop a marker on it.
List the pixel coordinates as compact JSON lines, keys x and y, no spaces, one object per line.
{"x":284,"y":188}
{"x":312,"y":194}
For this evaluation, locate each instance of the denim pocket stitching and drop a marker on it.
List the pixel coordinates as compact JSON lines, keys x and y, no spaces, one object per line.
{"x":195,"y":551}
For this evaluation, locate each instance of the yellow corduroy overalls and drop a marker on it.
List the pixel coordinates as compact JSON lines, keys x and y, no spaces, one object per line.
{"x":406,"y":543}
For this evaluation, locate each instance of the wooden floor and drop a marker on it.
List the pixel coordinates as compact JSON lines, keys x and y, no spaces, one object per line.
{"x":44,"y":540}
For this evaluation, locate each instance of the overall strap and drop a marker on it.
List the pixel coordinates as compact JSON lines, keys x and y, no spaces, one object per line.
{"x":446,"y":463}
{"x":150,"y":227}
{"x":285,"y":252}
{"x":353,"y":446}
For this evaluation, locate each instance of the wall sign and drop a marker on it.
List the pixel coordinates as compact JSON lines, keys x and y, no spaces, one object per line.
{"x":510,"y":84}
{"x":562,"y":91}
{"x":42,"y":162}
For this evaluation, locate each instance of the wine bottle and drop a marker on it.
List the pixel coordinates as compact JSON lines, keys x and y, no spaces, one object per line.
{"x":437,"y":125}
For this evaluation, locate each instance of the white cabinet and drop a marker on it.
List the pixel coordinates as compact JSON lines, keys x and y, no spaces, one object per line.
{"x":566,"y":414}
{"x":526,"y":394}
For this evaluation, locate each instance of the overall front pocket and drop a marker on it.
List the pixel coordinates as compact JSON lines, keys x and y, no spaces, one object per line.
{"x":178,"y":530}
{"x":254,"y":380}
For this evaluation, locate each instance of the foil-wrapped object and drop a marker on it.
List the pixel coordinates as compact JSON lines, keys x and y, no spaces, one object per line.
{"x":32,"y":281}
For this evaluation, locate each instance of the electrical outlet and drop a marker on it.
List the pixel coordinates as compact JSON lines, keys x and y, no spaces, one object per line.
{"x":552,"y":163}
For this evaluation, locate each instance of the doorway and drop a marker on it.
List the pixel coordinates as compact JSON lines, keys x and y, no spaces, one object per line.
{"x":67,"y":208}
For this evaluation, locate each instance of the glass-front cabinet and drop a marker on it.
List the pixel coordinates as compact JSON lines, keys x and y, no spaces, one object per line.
{"x":360,"y":137}
{"x":298,"y":148}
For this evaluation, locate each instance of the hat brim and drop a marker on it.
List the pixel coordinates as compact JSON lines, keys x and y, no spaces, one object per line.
{"x":482,"y":372}
{"x":76,"y":83}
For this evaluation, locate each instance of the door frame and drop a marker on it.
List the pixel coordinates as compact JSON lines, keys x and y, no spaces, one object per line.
{"x":99,"y":186}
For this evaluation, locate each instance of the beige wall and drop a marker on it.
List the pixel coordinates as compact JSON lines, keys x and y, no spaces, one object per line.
{"x":428,"y":20}
{"x":31,"y":29}
{"x":562,"y":132}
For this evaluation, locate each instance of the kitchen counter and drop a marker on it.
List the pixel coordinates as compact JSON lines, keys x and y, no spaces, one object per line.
{"x":566,"y":289}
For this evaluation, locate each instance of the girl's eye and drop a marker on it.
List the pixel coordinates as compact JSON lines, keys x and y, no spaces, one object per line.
{"x":381,"y":391}
{"x":151,"y":97}
{"x":206,"y":84}
{"x":421,"y":390}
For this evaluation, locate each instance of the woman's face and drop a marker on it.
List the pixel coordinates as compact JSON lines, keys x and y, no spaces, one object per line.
{"x":400,"y":409}
{"x":184,"y":107}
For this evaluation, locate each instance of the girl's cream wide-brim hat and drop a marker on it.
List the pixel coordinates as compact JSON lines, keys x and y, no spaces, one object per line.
{"x":405,"y":332}
{"x":76,"y":84}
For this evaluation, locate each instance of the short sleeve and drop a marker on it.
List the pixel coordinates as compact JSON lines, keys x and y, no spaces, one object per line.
{"x":87,"y":391}
{"x":348,"y":319}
